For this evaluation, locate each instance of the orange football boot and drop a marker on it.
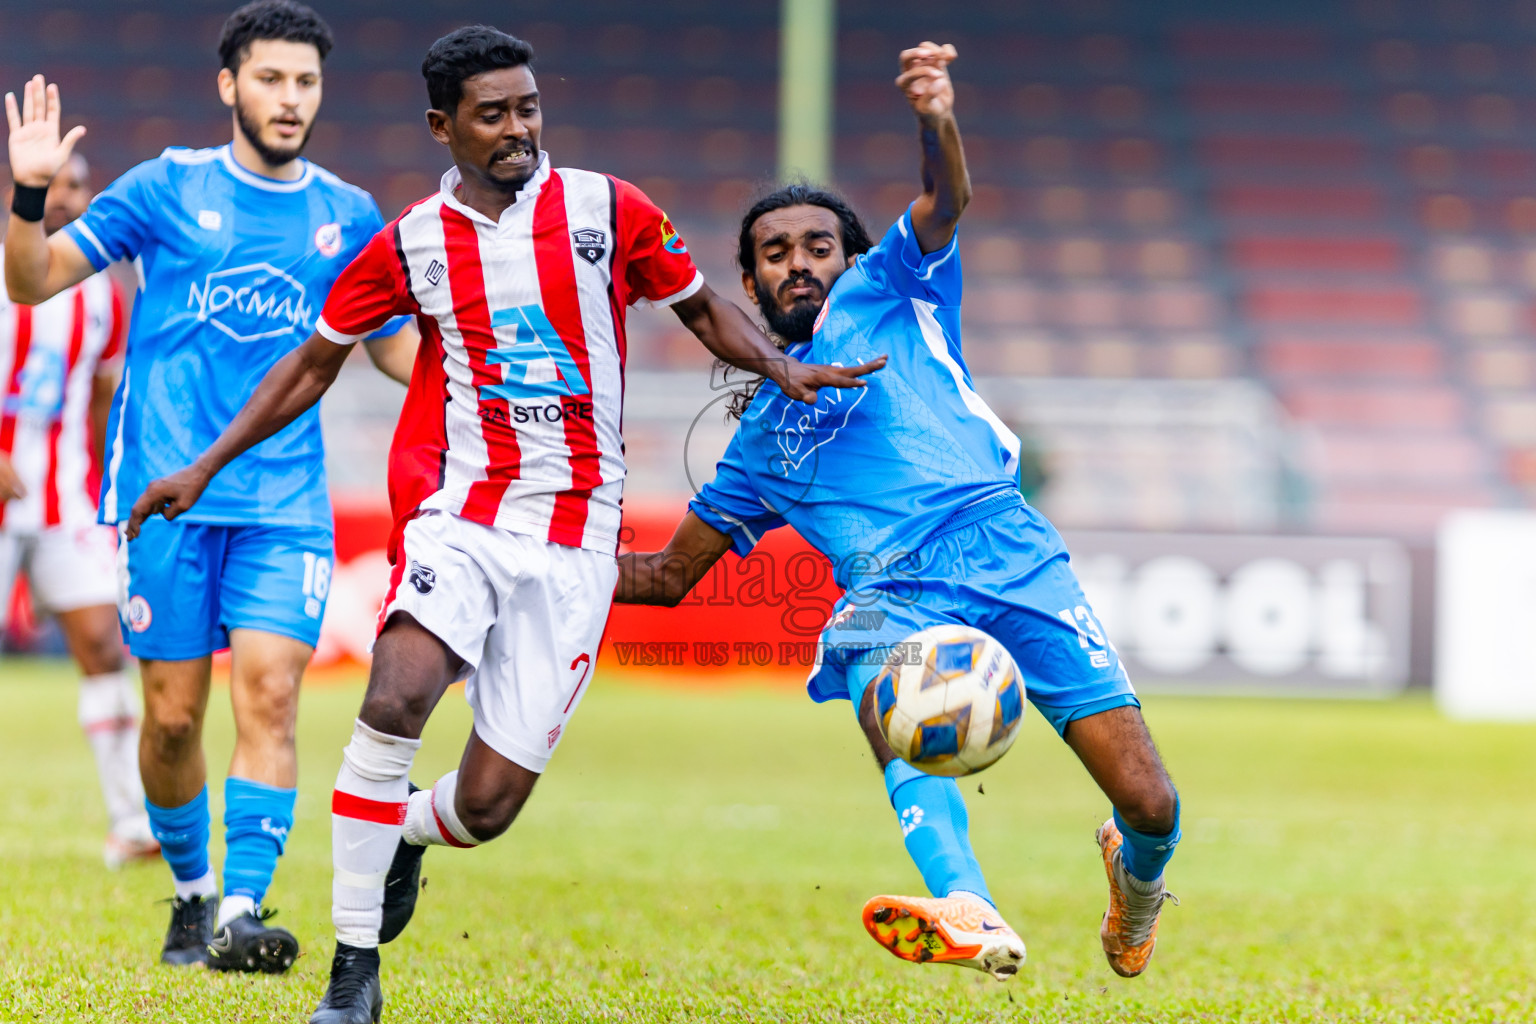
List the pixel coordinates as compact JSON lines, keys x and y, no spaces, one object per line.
{"x":1129,"y":929}
{"x":954,"y":930}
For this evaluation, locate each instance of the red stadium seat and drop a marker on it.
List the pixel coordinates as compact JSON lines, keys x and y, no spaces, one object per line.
{"x":1354,"y":203}
{"x":1379,"y":254}
{"x":1353,"y":457}
{"x":1291,"y":357}
{"x":1343,"y":155}
{"x":1382,"y":306}
{"x":1299,"y":99}
{"x":1424,"y":408}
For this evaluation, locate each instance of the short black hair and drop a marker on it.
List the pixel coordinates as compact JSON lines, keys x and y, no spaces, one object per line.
{"x":286,"y":20}
{"x":465,"y":53}
{"x":855,"y":239}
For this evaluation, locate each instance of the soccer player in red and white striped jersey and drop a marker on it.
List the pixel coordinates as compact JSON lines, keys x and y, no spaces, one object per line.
{"x":505,"y":473}
{"x":55,"y":373}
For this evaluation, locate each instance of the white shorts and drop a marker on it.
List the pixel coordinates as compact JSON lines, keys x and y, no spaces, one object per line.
{"x":67,"y":567}
{"x":524,"y":614}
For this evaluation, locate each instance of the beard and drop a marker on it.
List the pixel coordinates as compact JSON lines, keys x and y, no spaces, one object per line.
{"x":273,"y":156}
{"x":794,"y":324}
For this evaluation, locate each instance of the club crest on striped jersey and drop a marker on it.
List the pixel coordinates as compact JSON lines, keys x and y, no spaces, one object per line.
{"x":591,"y":244}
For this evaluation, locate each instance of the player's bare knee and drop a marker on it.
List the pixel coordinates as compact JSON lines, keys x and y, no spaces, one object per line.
{"x":1151,"y":807}
{"x":101,"y":654}
{"x":395,"y":714}
{"x":487,"y":814}
{"x":272,"y":704}
{"x":171,"y":732}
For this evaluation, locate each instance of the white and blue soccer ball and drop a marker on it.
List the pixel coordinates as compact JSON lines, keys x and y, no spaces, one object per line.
{"x":950,"y":701}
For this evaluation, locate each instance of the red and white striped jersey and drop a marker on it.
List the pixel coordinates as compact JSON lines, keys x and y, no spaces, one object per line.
{"x":49,"y":356}
{"x":513,"y":414}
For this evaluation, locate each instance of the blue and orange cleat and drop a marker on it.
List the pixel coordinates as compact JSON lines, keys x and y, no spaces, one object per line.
{"x":954,"y":930}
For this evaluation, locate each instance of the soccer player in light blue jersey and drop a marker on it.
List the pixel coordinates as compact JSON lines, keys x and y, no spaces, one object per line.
{"x":235,"y":248}
{"x":909,"y":486}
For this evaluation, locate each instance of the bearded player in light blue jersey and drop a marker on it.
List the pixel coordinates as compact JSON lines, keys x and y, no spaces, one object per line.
{"x":910,"y":488}
{"x":236,"y":248}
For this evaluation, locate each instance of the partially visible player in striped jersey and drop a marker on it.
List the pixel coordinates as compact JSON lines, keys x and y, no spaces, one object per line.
{"x":56,"y":377}
{"x":505,"y":474}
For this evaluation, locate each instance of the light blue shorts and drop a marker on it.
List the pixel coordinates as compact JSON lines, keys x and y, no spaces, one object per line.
{"x":1006,"y":574}
{"x":183,"y":586}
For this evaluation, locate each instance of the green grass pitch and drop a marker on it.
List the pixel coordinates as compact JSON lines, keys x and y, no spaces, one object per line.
{"x":703,"y":855}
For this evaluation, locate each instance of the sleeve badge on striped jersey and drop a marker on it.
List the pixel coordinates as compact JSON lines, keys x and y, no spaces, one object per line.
{"x":591,"y":244}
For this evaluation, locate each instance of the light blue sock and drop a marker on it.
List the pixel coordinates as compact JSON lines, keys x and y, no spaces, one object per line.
{"x":936,"y":829}
{"x":1143,"y":855}
{"x":182,"y":833}
{"x":257,"y":818}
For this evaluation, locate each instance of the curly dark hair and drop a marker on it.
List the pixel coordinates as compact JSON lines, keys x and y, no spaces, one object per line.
{"x":465,"y":53}
{"x":855,"y":239}
{"x":285,"y":20}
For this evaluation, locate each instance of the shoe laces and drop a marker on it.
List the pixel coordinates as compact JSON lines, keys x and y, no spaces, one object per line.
{"x":1138,"y":912}
{"x":186,"y":914}
{"x":349,"y":975}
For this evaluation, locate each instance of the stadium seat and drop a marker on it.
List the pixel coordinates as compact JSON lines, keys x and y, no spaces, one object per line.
{"x":1483,"y":314}
{"x":1290,"y":357}
{"x":1293,"y":204}
{"x":1511,"y":419}
{"x":1324,"y":254}
{"x":1177,"y":307}
{"x":1364,"y":306}
{"x":1502,"y":369}
{"x":1382,"y":406}
{"x":1462,"y":263}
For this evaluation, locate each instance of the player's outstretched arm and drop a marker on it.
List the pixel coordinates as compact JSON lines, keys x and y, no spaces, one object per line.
{"x":925,"y":82}
{"x":665,"y":577}
{"x":728,"y":333}
{"x":294,"y":383}
{"x":38,"y":267}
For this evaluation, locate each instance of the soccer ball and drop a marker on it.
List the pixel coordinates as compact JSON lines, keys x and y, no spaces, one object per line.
{"x":950,"y":700}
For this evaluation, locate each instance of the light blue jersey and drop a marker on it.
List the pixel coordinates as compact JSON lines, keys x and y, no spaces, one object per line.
{"x":233,"y":269}
{"x":910,"y":487}
{"x":866,"y":475}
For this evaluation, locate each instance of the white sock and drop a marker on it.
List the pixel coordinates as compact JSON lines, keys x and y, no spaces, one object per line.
{"x":206,"y":886}
{"x":1141,"y":888}
{"x":110,"y":721}
{"x":232,"y":907}
{"x":431,"y":819}
{"x":367,"y":811}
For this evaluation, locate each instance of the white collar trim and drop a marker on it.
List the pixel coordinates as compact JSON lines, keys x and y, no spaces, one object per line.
{"x":452,"y":179}
{"x":227,"y":156}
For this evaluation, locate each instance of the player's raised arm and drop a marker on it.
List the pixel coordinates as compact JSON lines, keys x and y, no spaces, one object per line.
{"x":924,"y":80}
{"x":665,"y":577}
{"x":728,"y":333}
{"x":294,"y":383}
{"x":38,"y":267}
